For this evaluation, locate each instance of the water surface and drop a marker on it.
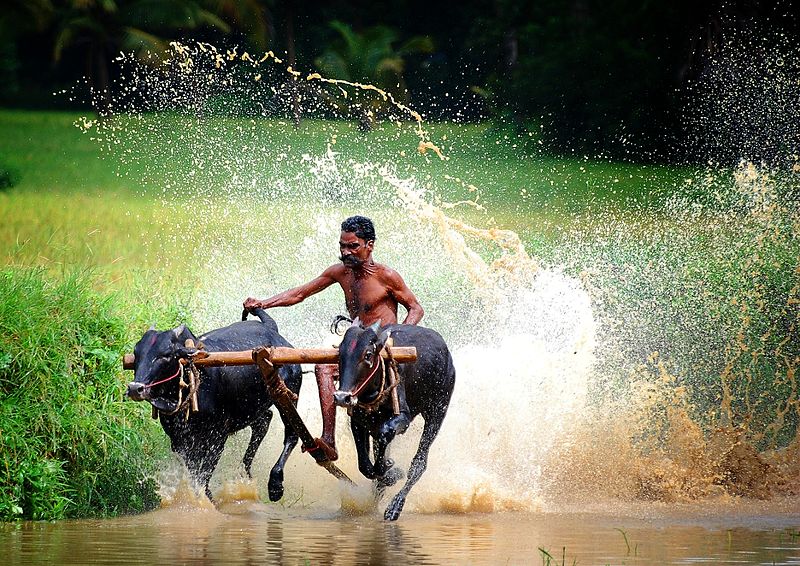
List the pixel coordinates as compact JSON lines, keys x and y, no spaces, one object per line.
{"x":251,"y":532}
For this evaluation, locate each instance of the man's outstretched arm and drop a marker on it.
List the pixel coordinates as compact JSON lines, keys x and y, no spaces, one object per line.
{"x":293,"y":296}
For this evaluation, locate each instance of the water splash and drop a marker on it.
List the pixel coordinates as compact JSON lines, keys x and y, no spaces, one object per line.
{"x":630,"y":365}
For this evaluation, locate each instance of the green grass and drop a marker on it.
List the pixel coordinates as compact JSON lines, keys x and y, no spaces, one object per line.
{"x":71,"y":447}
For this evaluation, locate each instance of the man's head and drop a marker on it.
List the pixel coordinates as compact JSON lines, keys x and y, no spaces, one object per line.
{"x":356,"y":241}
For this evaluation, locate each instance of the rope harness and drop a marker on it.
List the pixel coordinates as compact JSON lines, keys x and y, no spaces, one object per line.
{"x":189,"y":403}
{"x":390,"y":371}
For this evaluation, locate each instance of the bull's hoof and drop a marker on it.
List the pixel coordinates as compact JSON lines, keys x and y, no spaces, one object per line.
{"x":275,"y":486}
{"x":367,"y":470}
{"x":275,"y":492}
{"x":394,"y":509}
{"x":382,"y":467}
{"x":391,"y":477}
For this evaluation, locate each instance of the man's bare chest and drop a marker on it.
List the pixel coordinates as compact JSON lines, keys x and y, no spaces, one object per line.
{"x":365,"y":294}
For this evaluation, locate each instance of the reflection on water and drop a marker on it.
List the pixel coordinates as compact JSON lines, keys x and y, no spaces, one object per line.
{"x":260,"y":533}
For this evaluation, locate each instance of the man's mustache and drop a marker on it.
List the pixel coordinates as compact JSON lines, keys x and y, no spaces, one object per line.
{"x":351,"y":260}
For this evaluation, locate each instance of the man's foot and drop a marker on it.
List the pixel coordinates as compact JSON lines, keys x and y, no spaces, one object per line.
{"x":323,"y":452}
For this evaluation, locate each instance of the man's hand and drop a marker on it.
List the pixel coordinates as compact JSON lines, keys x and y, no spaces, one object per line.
{"x":250,"y":303}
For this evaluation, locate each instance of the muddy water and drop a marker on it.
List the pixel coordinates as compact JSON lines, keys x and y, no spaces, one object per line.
{"x":251,"y":532}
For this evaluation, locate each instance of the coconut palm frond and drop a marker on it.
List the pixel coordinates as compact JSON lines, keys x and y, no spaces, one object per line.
{"x":333,"y":66}
{"x":251,"y":16}
{"x":207,"y":17}
{"x":391,"y":65}
{"x":353,"y":44}
{"x":77,"y":30}
{"x":142,"y":42}
{"x":417,"y":44}
{"x":166,"y":15}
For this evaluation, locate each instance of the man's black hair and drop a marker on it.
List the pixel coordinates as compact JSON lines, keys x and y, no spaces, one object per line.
{"x":361,"y":226}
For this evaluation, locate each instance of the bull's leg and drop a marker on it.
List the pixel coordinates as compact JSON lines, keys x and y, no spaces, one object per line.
{"x":361,"y":438}
{"x":258,"y":430}
{"x":202,"y":460}
{"x":391,"y":428}
{"x":418,"y":465}
{"x":275,"y":485}
{"x":398,"y":424}
{"x":392,"y":475}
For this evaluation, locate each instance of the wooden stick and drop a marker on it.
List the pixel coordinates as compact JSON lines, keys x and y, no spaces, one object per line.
{"x":283,"y":399}
{"x":282,"y":356}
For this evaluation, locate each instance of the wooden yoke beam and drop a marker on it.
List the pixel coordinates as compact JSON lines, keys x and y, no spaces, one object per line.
{"x":282,"y":356}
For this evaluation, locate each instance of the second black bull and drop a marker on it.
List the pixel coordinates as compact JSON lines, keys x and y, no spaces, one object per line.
{"x":425,"y":388}
{"x":229,"y":398}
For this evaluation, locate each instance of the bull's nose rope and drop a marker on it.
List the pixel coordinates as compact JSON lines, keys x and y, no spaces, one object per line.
{"x":369,"y":377}
{"x":384,"y":391}
{"x":173,"y":376}
{"x":190,"y":402}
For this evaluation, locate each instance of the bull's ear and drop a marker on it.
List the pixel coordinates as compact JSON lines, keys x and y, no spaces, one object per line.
{"x":178,"y":331}
{"x":376,"y":326}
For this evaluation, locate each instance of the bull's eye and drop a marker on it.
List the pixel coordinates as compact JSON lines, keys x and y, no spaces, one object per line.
{"x":368,"y":357}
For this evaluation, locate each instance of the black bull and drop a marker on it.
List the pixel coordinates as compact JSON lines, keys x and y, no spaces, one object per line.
{"x":426,"y":386}
{"x":229,"y":398}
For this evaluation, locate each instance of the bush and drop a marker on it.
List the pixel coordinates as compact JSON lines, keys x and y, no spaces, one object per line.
{"x":8,"y":177}
{"x":70,"y":446}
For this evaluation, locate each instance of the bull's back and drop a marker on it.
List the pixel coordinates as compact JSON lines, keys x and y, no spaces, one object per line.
{"x":242,"y":336}
{"x":431,"y":378}
{"x":239,"y":390}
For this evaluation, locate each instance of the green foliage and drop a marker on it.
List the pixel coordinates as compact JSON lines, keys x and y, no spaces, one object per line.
{"x":70,"y":446}
{"x":715,"y":292}
{"x":370,"y":57}
{"x":588,"y":75}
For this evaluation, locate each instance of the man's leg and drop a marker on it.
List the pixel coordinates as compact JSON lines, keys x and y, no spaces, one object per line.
{"x":326,"y":374}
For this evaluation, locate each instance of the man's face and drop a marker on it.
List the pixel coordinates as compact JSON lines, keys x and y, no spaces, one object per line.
{"x":353,"y":250}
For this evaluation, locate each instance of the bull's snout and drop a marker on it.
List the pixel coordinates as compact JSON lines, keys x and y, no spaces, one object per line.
{"x":344,"y":399}
{"x":136,"y":391}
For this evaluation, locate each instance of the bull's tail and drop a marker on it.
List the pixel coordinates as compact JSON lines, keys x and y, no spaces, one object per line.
{"x":261,"y":314}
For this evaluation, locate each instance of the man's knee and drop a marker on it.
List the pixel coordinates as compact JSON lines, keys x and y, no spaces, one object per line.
{"x":326,"y":373}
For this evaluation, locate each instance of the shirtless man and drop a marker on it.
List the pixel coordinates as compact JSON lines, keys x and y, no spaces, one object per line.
{"x":372,"y":292}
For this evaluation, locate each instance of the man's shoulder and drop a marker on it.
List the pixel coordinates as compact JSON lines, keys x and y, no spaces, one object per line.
{"x":337,"y":271}
{"x":387,"y":273}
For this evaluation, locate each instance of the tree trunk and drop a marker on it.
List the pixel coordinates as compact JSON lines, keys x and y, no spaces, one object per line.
{"x":99,"y":79}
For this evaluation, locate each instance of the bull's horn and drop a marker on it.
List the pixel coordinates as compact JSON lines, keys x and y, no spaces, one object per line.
{"x":356,"y":322}
{"x":375,"y":326}
{"x":152,"y":327}
{"x":178,"y":331}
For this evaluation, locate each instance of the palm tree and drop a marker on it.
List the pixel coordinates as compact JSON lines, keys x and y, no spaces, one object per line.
{"x":252,"y":17}
{"x":103,"y":28}
{"x":369,"y":57}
